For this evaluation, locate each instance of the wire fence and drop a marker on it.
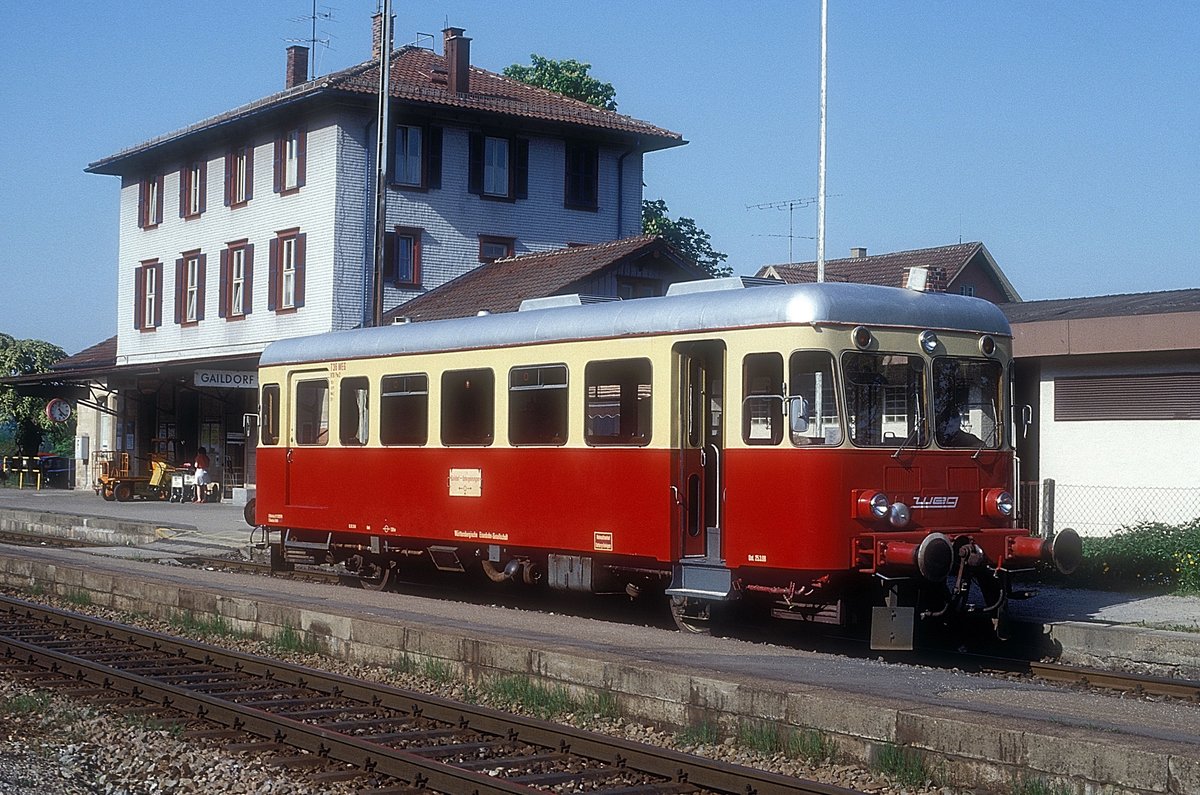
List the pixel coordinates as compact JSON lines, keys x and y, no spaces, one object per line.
{"x":1047,"y":506}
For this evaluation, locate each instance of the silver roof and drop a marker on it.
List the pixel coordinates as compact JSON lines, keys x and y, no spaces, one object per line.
{"x":784,"y":304}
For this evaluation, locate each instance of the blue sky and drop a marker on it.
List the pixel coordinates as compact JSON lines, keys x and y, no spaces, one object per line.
{"x":1065,"y":136}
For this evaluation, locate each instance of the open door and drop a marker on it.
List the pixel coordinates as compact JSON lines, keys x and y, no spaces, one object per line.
{"x":700,"y":454}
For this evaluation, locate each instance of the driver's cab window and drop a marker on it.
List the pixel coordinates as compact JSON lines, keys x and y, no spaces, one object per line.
{"x":812,"y":408}
{"x":966,"y":403}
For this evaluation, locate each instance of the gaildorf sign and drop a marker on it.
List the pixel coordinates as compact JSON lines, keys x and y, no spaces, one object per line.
{"x":227,"y":379}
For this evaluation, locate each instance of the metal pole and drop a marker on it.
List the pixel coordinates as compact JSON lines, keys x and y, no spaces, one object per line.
{"x":381,"y":160}
{"x":821,"y":164}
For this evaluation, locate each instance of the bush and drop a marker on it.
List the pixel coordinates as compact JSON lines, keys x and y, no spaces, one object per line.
{"x":1150,"y":555}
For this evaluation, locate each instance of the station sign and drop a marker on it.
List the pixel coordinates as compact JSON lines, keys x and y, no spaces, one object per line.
{"x":227,"y":379}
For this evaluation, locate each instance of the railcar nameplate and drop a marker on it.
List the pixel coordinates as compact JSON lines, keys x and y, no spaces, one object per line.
{"x":466,"y":482}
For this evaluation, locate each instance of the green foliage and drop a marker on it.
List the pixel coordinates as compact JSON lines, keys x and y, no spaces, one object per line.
{"x":687,"y":238}
{"x":26,"y":415}
{"x":25,"y":704}
{"x":769,"y":739}
{"x":78,"y":597}
{"x":204,"y":626}
{"x":903,"y":766}
{"x":569,"y":78}
{"x":437,"y":671}
{"x":1150,"y":555}
{"x":1037,"y":786}
{"x":699,"y":734}
{"x":289,"y":639}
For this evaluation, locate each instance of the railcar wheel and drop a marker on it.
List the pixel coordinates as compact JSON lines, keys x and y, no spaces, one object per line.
{"x":248,"y":512}
{"x":123,"y":492}
{"x":375,"y":574}
{"x":693,"y":616}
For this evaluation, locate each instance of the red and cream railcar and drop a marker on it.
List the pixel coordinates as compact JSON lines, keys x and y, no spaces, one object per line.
{"x":814,"y":448}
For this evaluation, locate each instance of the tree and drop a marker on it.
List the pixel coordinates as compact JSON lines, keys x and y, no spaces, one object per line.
{"x":26,"y":415}
{"x":689,"y":239}
{"x":569,"y":78}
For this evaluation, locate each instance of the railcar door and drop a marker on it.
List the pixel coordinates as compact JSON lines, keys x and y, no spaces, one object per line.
{"x":699,"y":485}
{"x":305,"y":484}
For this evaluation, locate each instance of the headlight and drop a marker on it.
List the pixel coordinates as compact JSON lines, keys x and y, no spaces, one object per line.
{"x":872,"y":505}
{"x":862,"y":337}
{"x":998,"y":503}
{"x":928,"y":341}
{"x":899,"y":515}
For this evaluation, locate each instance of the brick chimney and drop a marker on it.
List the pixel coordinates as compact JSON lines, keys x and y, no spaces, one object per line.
{"x":457,"y":49}
{"x":297,"y":66}
{"x":377,"y":35}
{"x":858,"y":253}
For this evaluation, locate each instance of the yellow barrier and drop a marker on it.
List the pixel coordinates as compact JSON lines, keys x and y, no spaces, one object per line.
{"x":24,"y":465}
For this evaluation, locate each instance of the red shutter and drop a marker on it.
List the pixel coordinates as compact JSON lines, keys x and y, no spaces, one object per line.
{"x":158,"y":300}
{"x":202,"y":260}
{"x":179,"y":290}
{"x":183,"y":190}
{"x":280,"y":151}
{"x":301,"y":157}
{"x":223,"y":280}
{"x":139,"y":296}
{"x":158,"y":209}
{"x":273,"y":275}
{"x":433,"y":167}
{"x":142,"y":204}
{"x":389,"y":257}
{"x":228,"y":178}
{"x":248,"y":286}
{"x":520,"y":171}
{"x":249,"y":173}
{"x":300,"y":267}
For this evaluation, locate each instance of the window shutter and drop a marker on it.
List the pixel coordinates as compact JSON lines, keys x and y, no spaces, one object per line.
{"x":280,"y":146}
{"x":139,"y":297}
{"x":158,"y":209}
{"x":301,"y":157}
{"x":393,"y":134}
{"x":179,"y":290}
{"x":433,"y":168}
{"x":228,"y":178}
{"x":203,"y":185}
{"x":223,"y":282}
{"x":273,"y":275}
{"x":142,"y":204}
{"x":202,"y":260}
{"x":183,"y":190}
{"x":389,"y":257}
{"x":158,"y":301}
{"x":248,"y":287}
{"x":475,"y":164}
{"x":521,"y":168}
{"x":301,"y":251}
{"x":249,"y":173}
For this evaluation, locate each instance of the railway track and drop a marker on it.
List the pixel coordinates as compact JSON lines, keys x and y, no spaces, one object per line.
{"x":400,"y":741}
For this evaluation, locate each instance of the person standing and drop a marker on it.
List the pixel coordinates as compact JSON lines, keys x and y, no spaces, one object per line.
{"x":201,"y":474}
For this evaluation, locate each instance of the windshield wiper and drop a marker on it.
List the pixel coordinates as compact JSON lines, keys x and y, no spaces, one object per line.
{"x":920,"y":423}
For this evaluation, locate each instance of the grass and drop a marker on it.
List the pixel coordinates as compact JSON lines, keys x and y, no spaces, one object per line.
{"x":903,"y":765}
{"x":290,"y":640}
{"x":78,"y":597}
{"x":699,"y":734}
{"x":1146,"y":556}
{"x":204,"y":626}
{"x":1037,"y":786}
{"x":25,"y":704}
{"x":547,"y":702}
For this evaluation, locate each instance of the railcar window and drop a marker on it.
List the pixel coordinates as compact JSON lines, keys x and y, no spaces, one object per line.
{"x":966,"y":403}
{"x":312,"y":412}
{"x":537,"y":405}
{"x":353,"y":413}
{"x":885,"y":399}
{"x":617,"y":402}
{"x":269,"y":423}
{"x":762,"y":398}
{"x":404,"y":409}
{"x":812,"y":399}
{"x":468,"y":406}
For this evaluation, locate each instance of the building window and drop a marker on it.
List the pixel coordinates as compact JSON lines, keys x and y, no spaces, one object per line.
{"x":638,"y":287}
{"x":237,"y":279}
{"x":498,"y":168}
{"x":290,"y":157}
{"x":354,"y":419}
{"x":286,"y":289}
{"x":537,"y":405}
{"x":402,"y":257}
{"x":967,"y":289}
{"x":150,"y":202}
{"x":408,"y":156}
{"x":404,"y":409}
{"x":492,"y":248}
{"x":468,"y":406}
{"x":617,"y":408}
{"x":239,"y":176}
{"x":582,"y":170}
{"x":192,"y":180}
{"x":147,"y":310}
{"x":189,"y":288}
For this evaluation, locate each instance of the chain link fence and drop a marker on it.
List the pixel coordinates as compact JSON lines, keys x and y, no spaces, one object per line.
{"x":1047,"y":506}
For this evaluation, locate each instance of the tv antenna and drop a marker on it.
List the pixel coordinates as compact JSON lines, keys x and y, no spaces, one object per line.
{"x":325,"y":14}
{"x":790,"y":205}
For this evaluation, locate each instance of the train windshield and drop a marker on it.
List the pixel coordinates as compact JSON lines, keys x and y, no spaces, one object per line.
{"x":966,"y":403}
{"x":885,"y":399}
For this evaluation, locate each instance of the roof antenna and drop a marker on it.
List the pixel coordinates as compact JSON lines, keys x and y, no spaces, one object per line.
{"x":325,"y":14}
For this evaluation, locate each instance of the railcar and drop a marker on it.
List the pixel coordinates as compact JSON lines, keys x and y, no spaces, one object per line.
{"x":822,"y":452}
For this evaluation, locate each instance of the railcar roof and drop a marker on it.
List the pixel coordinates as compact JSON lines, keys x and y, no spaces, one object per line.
{"x":712,"y":310}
